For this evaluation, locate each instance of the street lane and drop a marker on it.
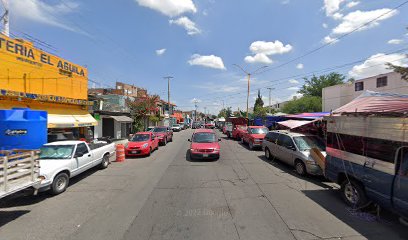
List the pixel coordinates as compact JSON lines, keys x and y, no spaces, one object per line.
{"x":168,"y":196}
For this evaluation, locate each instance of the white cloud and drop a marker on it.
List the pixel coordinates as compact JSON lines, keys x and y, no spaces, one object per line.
{"x":356,"y":19}
{"x":376,"y":64}
{"x":39,"y":11}
{"x":263,"y":50}
{"x":258,"y":58}
{"x":337,"y":16}
{"x":293,"y":88}
{"x":324,"y":25}
{"x":294,"y":95}
{"x":332,"y":6}
{"x":299,"y":66}
{"x":160,"y":51}
{"x":169,"y":8}
{"x":195,"y":100}
{"x":329,"y":39}
{"x":187,"y":24}
{"x":353,"y":4}
{"x":395,"y":41}
{"x":293,"y":81}
{"x":210,"y":61}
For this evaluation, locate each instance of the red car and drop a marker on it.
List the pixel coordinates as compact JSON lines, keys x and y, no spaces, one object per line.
{"x":164,"y":134}
{"x":209,"y":126}
{"x":254,"y":136}
{"x":238,"y":131}
{"x":142,"y":144}
{"x":204,"y":145}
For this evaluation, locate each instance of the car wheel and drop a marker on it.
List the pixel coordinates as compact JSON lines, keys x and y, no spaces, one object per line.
{"x":242,"y":141}
{"x":353,"y":194}
{"x":165,"y":142}
{"x":150,"y":152}
{"x":268,"y":154}
{"x":300,"y":168}
{"x":191,"y":156}
{"x":251,"y":145}
{"x":60,"y":183}
{"x":157,"y":147}
{"x":105,"y":162}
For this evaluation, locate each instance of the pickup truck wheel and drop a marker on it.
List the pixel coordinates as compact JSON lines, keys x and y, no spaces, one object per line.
{"x":60,"y":183}
{"x":300,"y":168}
{"x":353,"y":194}
{"x":105,"y":162}
{"x":251,"y":145}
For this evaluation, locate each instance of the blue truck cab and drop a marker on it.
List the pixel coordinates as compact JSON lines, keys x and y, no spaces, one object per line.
{"x":367,"y":155}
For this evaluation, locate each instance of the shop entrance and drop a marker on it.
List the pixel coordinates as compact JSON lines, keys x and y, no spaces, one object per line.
{"x":108,"y":127}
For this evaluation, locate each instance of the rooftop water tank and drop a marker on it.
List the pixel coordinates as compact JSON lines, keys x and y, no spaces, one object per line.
{"x":22,"y":128}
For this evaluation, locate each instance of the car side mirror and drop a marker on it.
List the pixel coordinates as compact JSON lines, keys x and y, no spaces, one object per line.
{"x":189,"y":140}
{"x":219,"y":139}
{"x":77,"y":155}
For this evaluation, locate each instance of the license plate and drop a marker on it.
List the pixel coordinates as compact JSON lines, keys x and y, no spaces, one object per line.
{"x":135,"y":152}
{"x":205,"y":155}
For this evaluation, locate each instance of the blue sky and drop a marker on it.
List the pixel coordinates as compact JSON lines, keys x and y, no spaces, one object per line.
{"x":197,"y":42}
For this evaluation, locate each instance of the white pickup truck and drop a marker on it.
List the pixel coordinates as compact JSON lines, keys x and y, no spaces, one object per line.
{"x":60,"y":161}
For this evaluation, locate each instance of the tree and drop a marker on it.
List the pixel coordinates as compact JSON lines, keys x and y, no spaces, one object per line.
{"x":315,"y":85}
{"x":304,"y":104}
{"x":228,"y":112}
{"x":259,"y":110}
{"x":141,"y":109}
{"x":399,"y":69}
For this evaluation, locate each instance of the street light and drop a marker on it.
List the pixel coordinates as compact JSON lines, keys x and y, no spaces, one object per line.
{"x":249,"y":79}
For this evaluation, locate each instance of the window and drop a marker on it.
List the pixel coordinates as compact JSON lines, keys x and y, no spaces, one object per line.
{"x":285,"y":141}
{"x":140,"y":138}
{"x":272,"y":137}
{"x":380,"y":149}
{"x":382,"y":81}
{"x":403,"y":162}
{"x":305,"y":143}
{"x":204,"y":137}
{"x":359,"y":86}
{"x":81,"y":148}
{"x":258,"y":130}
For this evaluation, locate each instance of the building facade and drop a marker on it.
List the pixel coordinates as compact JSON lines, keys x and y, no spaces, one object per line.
{"x":32,"y":78}
{"x":336,"y":96}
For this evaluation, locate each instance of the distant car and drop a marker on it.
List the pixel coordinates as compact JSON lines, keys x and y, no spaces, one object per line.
{"x":254,"y":136}
{"x":209,"y":125}
{"x":182,"y":125}
{"x":150,"y":128}
{"x":176,"y":127}
{"x":164,"y":134}
{"x":142,"y":144}
{"x":204,"y":145}
{"x":294,"y":149}
{"x":237,"y":131}
{"x":196,"y":125}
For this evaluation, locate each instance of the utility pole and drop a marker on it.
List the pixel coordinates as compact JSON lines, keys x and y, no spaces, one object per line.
{"x":196,"y":106}
{"x":5,"y":19}
{"x":168,"y":94}
{"x":223,"y":104}
{"x":270,"y":107}
{"x":249,"y":80}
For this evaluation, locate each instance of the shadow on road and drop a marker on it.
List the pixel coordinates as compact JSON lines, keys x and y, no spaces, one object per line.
{"x":317,"y":180}
{"x":8,"y":216}
{"x":367,"y":223}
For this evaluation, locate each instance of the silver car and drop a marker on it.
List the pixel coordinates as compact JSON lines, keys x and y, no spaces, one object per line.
{"x":294,"y":149}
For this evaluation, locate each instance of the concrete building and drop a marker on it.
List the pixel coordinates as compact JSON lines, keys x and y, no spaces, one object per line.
{"x":339,"y":95}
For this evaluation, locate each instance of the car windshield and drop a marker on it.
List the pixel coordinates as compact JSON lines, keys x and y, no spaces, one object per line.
{"x":259,"y":130}
{"x":56,"y":152}
{"x":160,"y":130}
{"x":305,"y":143}
{"x":140,"y":138}
{"x":204,"y":137}
{"x":176,"y":125}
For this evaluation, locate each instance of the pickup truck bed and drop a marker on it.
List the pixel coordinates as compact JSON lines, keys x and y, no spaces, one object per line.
{"x":18,"y":171}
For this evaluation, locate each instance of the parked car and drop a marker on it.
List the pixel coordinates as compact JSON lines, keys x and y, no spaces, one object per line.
{"x":176,"y":127}
{"x":227,"y":126}
{"x":182,"y":125}
{"x":60,"y":161}
{"x":196,"y":125}
{"x":254,"y":136}
{"x":238,"y":131}
{"x":232,"y":122}
{"x":209,"y":126}
{"x":204,"y":145}
{"x":164,"y":134}
{"x":142,"y":144}
{"x":294,"y":149}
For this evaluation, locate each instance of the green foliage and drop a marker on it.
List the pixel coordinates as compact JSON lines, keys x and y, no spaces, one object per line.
{"x":304,"y":104}
{"x":141,"y":109}
{"x":225,"y":112}
{"x":315,"y":85}
{"x":259,"y":110}
{"x":401,"y":70}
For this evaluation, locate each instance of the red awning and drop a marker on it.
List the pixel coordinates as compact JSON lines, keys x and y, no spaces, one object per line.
{"x":374,"y":102}
{"x":291,"y":124}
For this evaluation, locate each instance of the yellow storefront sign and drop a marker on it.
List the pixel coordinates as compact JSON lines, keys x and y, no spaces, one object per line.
{"x":26,"y":69}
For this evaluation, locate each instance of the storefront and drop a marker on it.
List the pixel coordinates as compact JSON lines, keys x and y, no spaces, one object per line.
{"x":113,"y":125}
{"x":32,"y":78}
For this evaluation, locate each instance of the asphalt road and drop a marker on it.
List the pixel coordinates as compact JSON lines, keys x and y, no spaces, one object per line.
{"x":168,"y":196}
